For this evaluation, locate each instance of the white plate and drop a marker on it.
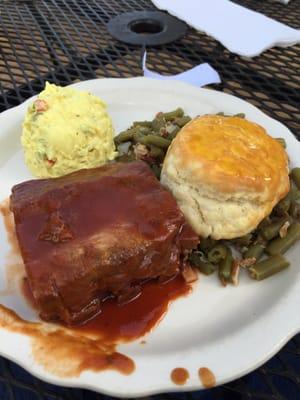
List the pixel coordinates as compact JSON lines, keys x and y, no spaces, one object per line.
{"x":229,"y":330}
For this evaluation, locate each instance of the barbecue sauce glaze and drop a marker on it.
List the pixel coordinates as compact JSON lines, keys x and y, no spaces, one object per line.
{"x":66,"y":351}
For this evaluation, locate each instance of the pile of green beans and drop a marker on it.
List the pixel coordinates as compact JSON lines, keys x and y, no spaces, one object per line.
{"x":154,"y":136}
{"x":261,"y":251}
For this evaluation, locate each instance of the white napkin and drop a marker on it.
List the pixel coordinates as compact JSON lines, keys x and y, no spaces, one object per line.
{"x":240,"y":30}
{"x":200,"y":75}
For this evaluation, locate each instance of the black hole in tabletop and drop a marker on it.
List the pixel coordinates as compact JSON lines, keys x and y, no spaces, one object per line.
{"x":146,"y":26}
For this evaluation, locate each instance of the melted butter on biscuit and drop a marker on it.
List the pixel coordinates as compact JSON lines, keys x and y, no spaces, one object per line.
{"x":235,"y":149}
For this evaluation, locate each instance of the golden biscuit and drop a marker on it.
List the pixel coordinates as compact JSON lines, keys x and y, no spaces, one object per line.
{"x":226,"y":173}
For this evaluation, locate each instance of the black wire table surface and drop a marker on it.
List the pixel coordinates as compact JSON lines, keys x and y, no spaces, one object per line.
{"x":65,"y":41}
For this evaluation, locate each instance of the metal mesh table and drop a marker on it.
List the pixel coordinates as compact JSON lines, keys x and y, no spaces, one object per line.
{"x":65,"y":41}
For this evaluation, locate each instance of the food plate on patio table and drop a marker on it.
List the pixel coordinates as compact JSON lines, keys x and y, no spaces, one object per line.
{"x":228,"y":331}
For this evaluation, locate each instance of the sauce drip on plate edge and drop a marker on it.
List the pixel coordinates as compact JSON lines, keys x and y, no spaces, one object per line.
{"x":179,"y":376}
{"x":207,"y":377}
{"x":64,"y":352}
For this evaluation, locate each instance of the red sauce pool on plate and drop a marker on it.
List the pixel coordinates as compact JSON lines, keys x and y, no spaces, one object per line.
{"x":93,"y":346}
{"x":132,"y":320}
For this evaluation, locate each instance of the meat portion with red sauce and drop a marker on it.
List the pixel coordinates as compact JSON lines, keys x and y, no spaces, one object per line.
{"x":97,"y":233}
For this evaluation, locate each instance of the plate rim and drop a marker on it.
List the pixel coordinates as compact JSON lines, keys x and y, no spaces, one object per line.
{"x":79,"y":382}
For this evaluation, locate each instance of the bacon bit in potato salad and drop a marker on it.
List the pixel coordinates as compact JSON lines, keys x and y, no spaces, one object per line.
{"x":40,"y":105}
{"x":50,"y":162}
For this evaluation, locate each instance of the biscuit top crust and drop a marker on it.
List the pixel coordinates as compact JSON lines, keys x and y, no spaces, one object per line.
{"x":230,"y":154}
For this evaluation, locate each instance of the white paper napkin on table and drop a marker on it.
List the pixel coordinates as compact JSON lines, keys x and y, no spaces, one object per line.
{"x":201,"y":75}
{"x":240,"y":30}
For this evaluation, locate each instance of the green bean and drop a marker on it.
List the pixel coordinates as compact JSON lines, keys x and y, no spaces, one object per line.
{"x":295,"y":210}
{"x":265,"y":222}
{"x":147,"y":124}
{"x":126,"y":157}
{"x":196,"y":257}
{"x":174,"y":132}
{"x":260,"y":240}
{"x":138,"y":137}
{"x":158,"y":123}
{"x":295,"y":174}
{"x":255,"y":251}
{"x":154,"y":140}
{"x":156,"y":152}
{"x":178,"y":113}
{"x":206,"y":268}
{"x":206,"y":244}
{"x":125,"y":136}
{"x":144,"y":130}
{"x":182,"y":121}
{"x":281,"y":141}
{"x":217,"y":253}
{"x":294,"y":194}
{"x":268,"y":267}
{"x":196,"y":260}
{"x":225,"y":267}
{"x":244,"y":240}
{"x":156,"y":170}
{"x":283,"y":206}
{"x":272,"y":230}
{"x":281,"y":245}
{"x":240,"y":115}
